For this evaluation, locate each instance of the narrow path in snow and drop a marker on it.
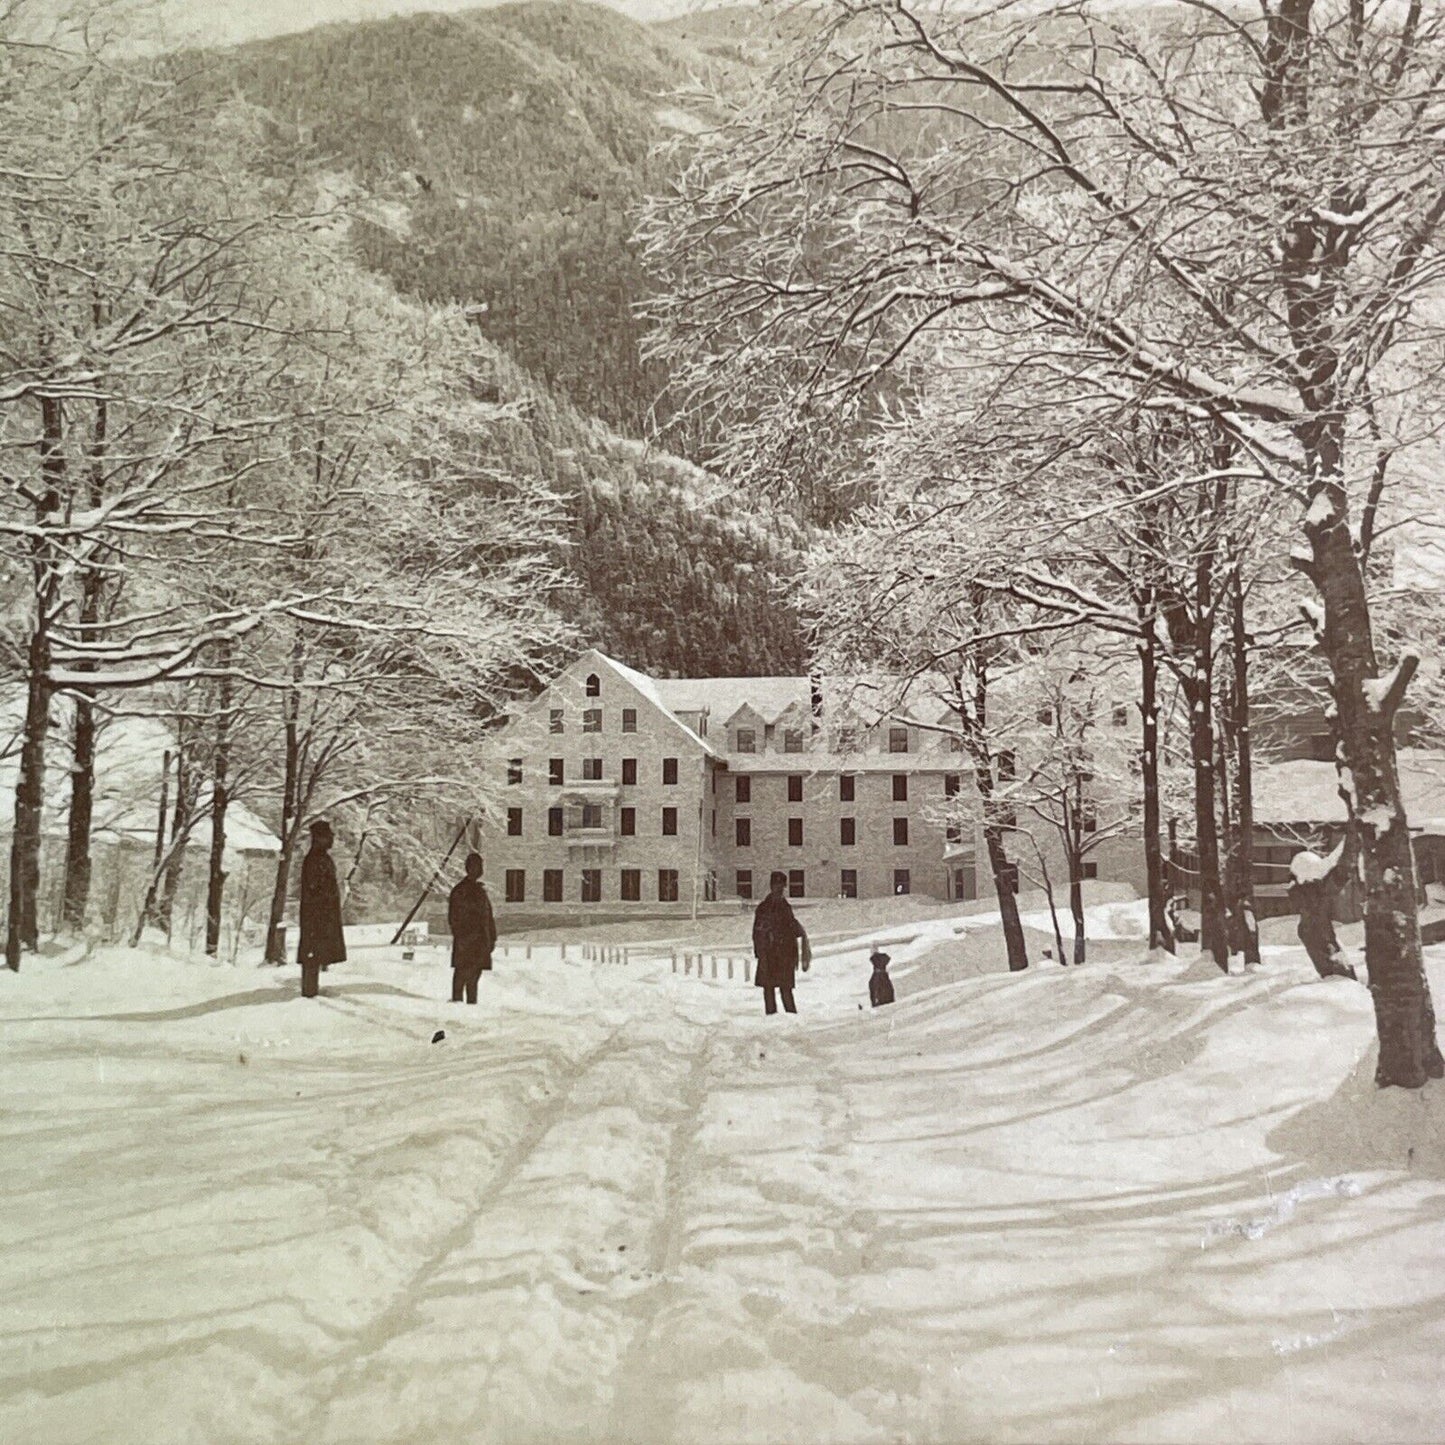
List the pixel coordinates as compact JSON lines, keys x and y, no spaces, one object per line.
{"x":345,"y":1374}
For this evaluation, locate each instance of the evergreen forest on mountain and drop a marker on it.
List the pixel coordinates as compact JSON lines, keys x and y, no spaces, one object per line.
{"x":495,"y":159}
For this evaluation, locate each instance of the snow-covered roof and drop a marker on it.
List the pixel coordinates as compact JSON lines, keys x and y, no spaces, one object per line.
{"x":129,"y":756}
{"x":651,"y":690}
{"x":769,"y":697}
{"x":1303,"y":791}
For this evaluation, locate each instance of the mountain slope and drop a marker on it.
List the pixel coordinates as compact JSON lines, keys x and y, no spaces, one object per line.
{"x":497,"y":156}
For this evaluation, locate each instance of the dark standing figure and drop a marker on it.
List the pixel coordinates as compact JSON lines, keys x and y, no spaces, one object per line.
{"x":474,"y":931}
{"x":880,"y":986}
{"x":321,"y":943}
{"x":776,"y":937}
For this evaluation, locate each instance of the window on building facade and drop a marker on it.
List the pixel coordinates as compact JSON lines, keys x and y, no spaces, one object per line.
{"x":554,"y":822}
{"x":667,"y":885}
{"x":847,"y":831}
{"x":1007,"y":766}
{"x":627,"y":822}
{"x":1008,"y":817}
{"x":1091,"y":870}
{"x":743,"y":790}
{"x":591,"y":770}
{"x":591,"y":815}
{"x":743,"y":883}
{"x":592,"y":720}
{"x":902,"y":881}
{"x":743,"y":832}
{"x":669,"y":822}
{"x":556,"y":772}
{"x":709,"y":882}
{"x":848,"y":883}
{"x":516,"y":884}
{"x":551,"y":885}
{"x":792,"y":740}
{"x":558,"y":723}
{"x":592,"y":885}
{"x":514,"y":770}
{"x":669,"y":770}
{"x":847,"y":787}
{"x":950,"y":785}
{"x":900,"y":787}
{"x":897,"y":740}
{"x":1089,"y":817}
{"x":712,"y":826}
{"x":1121,"y":715}
{"x":514,"y":822}
{"x":795,"y":832}
{"x":795,"y":789}
{"x":629,"y":772}
{"x":631,"y":885}
{"x":955,"y":743}
{"x":594,"y":685}
{"x":796,"y":883}
{"x":953,"y":833}
{"x":847,"y":740}
{"x":747,"y":740}
{"x":629,"y":719}
{"x":900,"y":832}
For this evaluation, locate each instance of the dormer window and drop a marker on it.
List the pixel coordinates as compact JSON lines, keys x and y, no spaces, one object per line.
{"x":594,"y":685}
{"x":747,"y":740}
{"x":793,"y":740}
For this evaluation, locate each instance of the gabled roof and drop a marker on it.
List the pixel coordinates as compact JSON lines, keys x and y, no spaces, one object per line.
{"x":650,"y":689}
{"x":769,"y":697}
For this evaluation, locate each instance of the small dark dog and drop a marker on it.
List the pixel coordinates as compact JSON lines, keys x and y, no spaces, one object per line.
{"x":880,"y":986}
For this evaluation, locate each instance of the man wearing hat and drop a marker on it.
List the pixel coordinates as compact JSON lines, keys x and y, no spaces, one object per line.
{"x":474,"y":931}
{"x":321,"y":943}
{"x":777,"y":939}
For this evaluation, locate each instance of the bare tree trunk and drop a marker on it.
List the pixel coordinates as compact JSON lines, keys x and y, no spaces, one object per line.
{"x":220,"y":800}
{"x":1008,"y":903}
{"x":1312,"y":894}
{"x":1212,"y":933}
{"x":82,"y":769}
{"x":1244,"y":779}
{"x":290,"y":802}
{"x":1161,"y":934}
{"x":1229,"y":870}
{"x":1076,"y":908}
{"x":181,"y":814}
{"x":1366,"y":708}
{"x":1049,"y":894}
{"x":82,"y":812}
{"x":22,"y":930}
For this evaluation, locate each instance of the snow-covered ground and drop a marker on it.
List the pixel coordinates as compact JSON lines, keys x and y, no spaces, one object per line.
{"x":1123,"y":1202}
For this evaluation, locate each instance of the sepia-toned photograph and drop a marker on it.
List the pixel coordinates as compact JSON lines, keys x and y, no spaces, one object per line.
{"x":722,"y":724}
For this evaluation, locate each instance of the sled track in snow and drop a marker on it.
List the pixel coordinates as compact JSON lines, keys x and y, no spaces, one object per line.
{"x":638,"y":1395}
{"x":343,"y":1368}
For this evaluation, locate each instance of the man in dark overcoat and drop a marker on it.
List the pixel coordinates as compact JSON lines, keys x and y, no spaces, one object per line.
{"x":474,"y":931}
{"x":777,"y":936}
{"x":321,"y":942}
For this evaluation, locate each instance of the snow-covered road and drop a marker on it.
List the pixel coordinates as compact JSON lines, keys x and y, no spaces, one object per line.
{"x":1114,"y":1203}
